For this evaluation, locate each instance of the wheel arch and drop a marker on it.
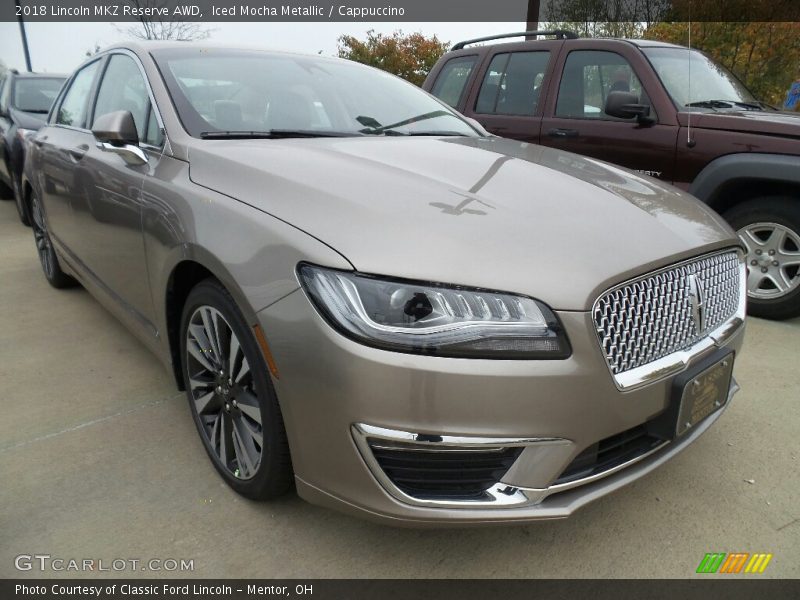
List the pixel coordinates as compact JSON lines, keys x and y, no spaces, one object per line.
{"x":194,"y":265}
{"x":736,"y":178}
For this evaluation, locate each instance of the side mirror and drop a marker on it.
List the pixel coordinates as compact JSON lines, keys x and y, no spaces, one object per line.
{"x":625,"y":105}
{"x":116,"y":132}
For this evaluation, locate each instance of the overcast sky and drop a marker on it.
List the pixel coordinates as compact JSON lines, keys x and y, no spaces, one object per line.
{"x":60,"y":47}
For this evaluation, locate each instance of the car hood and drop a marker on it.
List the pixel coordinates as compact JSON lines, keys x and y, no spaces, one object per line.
{"x":783,"y":124}
{"x":485,"y":212}
{"x":26,"y":120}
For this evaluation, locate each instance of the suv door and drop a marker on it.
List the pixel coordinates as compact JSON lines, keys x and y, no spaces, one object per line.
{"x":512,"y":89}
{"x":575,"y":118}
{"x":112,"y":243}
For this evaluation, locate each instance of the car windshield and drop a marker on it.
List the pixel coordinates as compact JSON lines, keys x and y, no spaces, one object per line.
{"x":259,"y":94}
{"x":695,"y":81}
{"x":36,"y":94}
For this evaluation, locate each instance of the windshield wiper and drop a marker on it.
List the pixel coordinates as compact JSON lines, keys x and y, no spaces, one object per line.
{"x":425,"y":133}
{"x":273,"y":134}
{"x":727,"y":104}
{"x":373,"y":127}
{"x":34,"y":111}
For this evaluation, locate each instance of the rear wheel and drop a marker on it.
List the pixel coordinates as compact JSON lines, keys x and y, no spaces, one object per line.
{"x":231,"y":396}
{"x":769,"y":228}
{"x":44,"y":246}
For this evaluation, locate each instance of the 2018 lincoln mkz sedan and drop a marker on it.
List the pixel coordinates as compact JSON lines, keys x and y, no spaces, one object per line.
{"x":367,"y":296}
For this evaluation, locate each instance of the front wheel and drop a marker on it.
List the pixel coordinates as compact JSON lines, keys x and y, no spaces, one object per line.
{"x":769,"y":228}
{"x":231,"y":396}
{"x":44,"y":246}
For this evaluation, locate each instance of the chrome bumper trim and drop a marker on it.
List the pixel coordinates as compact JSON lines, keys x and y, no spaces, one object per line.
{"x":501,"y":495}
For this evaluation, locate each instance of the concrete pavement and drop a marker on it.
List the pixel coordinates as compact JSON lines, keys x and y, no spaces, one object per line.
{"x":99,"y":459}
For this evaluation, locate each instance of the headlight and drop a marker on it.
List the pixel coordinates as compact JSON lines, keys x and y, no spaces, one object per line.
{"x":432,"y":318}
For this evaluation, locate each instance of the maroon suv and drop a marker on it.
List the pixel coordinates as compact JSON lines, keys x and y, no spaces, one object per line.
{"x":657,"y":108}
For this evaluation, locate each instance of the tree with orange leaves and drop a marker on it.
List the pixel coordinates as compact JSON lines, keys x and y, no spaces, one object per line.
{"x":410,"y":56}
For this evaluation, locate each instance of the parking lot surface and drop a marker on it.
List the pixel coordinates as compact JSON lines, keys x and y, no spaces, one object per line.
{"x":99,"y":459}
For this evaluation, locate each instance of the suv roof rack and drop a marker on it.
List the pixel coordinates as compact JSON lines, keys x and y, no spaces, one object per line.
{"x":559,"y":33}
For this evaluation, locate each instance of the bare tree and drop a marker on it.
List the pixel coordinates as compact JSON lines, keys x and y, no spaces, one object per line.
{"x":146,"y":28}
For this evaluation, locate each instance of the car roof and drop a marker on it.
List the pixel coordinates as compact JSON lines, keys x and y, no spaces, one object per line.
{"x":34,"y":75}
{"x":145,"y":46}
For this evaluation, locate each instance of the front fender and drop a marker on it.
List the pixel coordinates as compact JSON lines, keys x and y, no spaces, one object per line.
{"x":724,"y":171}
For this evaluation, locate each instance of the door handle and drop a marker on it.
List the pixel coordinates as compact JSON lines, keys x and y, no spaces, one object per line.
{"x":79,"y":151}
{"x":563,"y":133}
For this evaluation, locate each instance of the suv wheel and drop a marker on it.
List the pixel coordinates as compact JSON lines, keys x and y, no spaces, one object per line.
{"x":769,"y":228}
{"x":44,"y":246}
{"x":231,"y":396}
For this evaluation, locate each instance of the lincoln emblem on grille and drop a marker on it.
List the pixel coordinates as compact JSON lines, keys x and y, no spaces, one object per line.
{"x":697,"y":297}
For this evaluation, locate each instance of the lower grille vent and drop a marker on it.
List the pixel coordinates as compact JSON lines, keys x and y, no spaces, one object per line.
{"x":452,"y":473}
{"x":609,"y":453}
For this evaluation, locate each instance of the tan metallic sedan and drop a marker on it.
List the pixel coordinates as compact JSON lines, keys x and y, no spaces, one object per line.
{"x":366,"y":295}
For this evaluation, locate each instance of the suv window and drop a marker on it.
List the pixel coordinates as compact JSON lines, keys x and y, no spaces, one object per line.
{"x":452,"y":81}
{"x":123,"y":88}
{"x":589,"y":76}
{"x":513,"y":83}
{"x":75,"y":104}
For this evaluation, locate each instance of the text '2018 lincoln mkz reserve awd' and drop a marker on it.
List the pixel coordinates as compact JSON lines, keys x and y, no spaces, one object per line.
{"x":367,"y":296}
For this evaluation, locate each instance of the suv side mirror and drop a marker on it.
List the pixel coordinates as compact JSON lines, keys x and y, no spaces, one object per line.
{"x":625,"y":105}
{"x":116,"y":132}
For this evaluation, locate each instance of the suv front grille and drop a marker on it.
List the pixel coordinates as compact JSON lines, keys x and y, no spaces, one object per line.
{"x":443,"y":473}
{"x":656,"y":315}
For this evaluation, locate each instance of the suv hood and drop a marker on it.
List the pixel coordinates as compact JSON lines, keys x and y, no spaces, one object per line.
{"x":783,"y":124}
{"x":484,"y":212}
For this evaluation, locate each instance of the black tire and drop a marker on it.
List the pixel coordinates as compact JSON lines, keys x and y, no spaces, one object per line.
{"x":19,"y":198}
{"x":273,"y":475}
{"x":44,"y":247}
{"x":6,"y":193}
{"x":784,"y":212}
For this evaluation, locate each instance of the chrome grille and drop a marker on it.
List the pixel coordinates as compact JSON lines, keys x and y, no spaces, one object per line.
{"x":656,"y":315}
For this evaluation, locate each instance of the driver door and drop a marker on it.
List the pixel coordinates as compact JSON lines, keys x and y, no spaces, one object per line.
{"x":576,"y":121}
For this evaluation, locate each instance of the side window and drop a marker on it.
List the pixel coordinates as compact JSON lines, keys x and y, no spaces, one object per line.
{"x":153,"y":135}
{"x":513,"y":83}
{"x":75,"y":104}
{"x":589,"y":76}
{"x":123,"y":88}
{"x":452,"y":81}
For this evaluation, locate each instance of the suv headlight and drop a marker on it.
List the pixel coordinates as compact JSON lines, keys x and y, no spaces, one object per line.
{"x":433,"y":318}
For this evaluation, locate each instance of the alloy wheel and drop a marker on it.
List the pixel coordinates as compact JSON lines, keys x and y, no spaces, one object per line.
{"x":773,"y":259}
{"x":223,"y":392}
{"x":43,"y":244}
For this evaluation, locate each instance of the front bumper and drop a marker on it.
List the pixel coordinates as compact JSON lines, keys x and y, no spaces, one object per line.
{"x":333,"y":392}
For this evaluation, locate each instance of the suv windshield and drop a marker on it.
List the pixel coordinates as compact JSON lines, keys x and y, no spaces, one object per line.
{"x":710,"y":85}
{"x":36,"y":94}
{"x":259,"y":94}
